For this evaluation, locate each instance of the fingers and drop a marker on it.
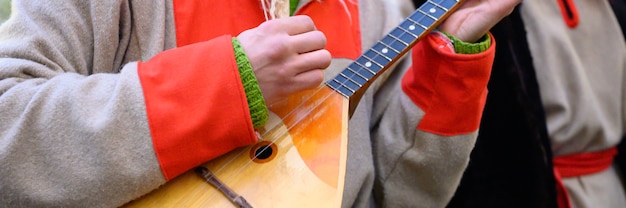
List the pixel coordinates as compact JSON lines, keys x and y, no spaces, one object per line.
{"x":303,"y":71}
{"x":506,"y":7}
{"x":292,"y":25}
{"x":307,"y":80}
{"x":475,"y":17}
{"x":309,"y":71}
{"x":309,"y":41}
{"x":287,"y":55}
{"x":319,"y":59}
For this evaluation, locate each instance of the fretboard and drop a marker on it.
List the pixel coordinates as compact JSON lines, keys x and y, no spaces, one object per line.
{"x":391,"y":47}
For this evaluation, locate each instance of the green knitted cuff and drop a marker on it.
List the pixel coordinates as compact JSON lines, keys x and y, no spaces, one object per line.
{"x":292,"y":6}
{"x":256,"y":103}
{"x":470,"y":48}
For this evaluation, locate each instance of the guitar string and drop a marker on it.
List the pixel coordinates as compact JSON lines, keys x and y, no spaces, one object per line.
{"x":404,"y":31}
{"x":376,"y":56}
{"x":278,"y":125}
{"x":298,"y":107}
{"x":282,"y":135}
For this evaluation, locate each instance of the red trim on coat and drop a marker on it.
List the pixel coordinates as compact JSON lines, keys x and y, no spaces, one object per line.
{"x":331,"y":17}
{"x":196,"y":105}
{"x":450,"y":88}
{"x":569,"y":13}
{"x":579,"y":165}
{"x":186,"y":85}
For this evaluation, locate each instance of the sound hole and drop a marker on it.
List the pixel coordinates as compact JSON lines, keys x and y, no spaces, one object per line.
{"x":263,"y":152}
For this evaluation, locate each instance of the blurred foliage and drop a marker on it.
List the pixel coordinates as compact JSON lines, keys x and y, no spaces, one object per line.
{"x":5,"y":10}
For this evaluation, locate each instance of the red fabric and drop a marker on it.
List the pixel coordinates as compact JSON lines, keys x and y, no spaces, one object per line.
{"x":562,"y":197}
{"x":578,"y":165}
{"x":196,"y":104}
{"x":197,"y":108}
{"x":331,"y":17}
{"x":569,"y":13}
{"x":198,"y":21}
{"x":203,"y":20}
{"x":449,"y":87}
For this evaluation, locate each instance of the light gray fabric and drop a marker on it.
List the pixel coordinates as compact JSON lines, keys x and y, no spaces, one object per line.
{"x":596,"y":190}
{"x":73,"y":128}
{"x":412,"y":168}
{"x":582,"y":76}
{"x":63,"y":114}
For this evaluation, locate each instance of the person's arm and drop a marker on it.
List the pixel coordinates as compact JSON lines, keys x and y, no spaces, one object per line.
{"x":84,"y":125}
{"x":429,"y":125}
{"x":426,"y":119}
{"x":73,"y":128}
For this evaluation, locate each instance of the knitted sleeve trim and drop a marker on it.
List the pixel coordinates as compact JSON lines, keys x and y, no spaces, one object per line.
{"x":470,"y":48}
{"x":256,"y":103}
{"x":293,"y":4}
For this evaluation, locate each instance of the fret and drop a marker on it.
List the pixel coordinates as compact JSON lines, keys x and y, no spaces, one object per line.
{"x":448,"y":3}
{"x":381,"y":53}
{"x":407,"y":31}
{"x":355,"y":77}
{"x":405,"y":37}
{"x":358,"y":74}
{"x":417,"y":23}
{"x":364,"y":68}
{"x":425,"y":21}
{"x":351,"y":80}
{"x":398,"y":39}
{"x":332,"y":84}
{"x":370,"y":60}
{"x":428,"y":15}
{"x":435,"y":10}
{"x":392,"y":45}
{"x":437,"y":5}
{"x":340,"y":86}
{"x":388,"y":47}
{"x":411,"y":28}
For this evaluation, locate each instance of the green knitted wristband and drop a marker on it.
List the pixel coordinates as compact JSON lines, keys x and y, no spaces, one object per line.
{"x":292,"y":6}
{"x":256,"y":103}
{"x":470,"y":48}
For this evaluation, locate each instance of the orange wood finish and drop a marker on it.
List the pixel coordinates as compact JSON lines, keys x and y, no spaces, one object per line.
{"x":309,"y":131}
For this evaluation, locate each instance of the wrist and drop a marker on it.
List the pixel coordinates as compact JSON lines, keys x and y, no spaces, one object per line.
{"x":256,"y":103}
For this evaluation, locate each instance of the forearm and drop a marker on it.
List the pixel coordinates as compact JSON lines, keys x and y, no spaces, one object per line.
{"x":428,"y":124}
{"x":78,"y":132}
{"x":64,"y":136}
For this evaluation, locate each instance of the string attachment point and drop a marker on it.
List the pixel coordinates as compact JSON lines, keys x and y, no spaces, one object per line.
{"x":228,"y":192}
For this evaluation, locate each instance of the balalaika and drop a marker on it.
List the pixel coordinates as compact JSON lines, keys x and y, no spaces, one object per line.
{"x":300,"y":160}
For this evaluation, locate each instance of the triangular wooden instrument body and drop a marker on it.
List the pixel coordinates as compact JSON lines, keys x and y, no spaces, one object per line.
{"x":309,"y":134}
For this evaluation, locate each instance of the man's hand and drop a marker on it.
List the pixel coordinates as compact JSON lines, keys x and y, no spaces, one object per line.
{"x":475,"y":17}
{"x":287,"y":55}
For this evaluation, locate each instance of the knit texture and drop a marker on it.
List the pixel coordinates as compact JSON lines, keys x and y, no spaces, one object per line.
{"x":256,"y":103}
{"x":470,"y":48}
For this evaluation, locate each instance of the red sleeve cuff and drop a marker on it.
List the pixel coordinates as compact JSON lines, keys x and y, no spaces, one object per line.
{"x":450,"y":88}
{"x":196,"y":105}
